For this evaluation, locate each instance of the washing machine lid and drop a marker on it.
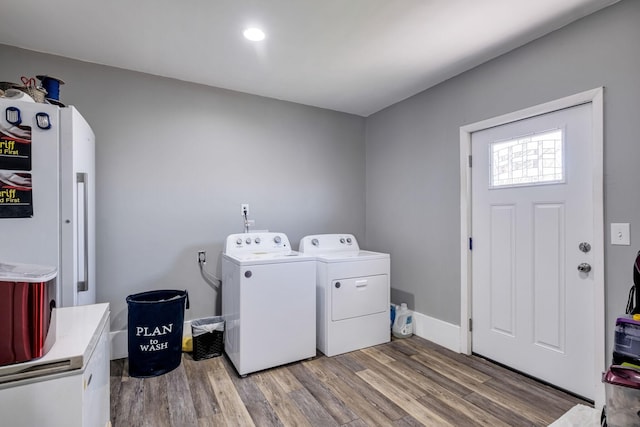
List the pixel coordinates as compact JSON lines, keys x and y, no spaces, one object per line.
{"x":255,"y":258}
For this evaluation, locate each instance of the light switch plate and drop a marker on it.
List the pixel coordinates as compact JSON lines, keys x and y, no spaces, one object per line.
{"x":620,"y":234}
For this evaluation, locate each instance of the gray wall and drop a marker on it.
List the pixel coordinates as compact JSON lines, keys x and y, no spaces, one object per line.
{"x":413,"y":206}
{"x":175,"y":160}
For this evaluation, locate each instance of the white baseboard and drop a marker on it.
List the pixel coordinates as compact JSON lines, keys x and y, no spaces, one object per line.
{"x":429,"y":328}
{"x":118,"y":344}
{"x":437,"y":331}
{"x":119,"y":341}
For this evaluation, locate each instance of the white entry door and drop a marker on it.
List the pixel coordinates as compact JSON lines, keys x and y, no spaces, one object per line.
{"x":532,"y":225}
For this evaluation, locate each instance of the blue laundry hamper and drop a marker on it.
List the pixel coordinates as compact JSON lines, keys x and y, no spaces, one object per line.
{"x":156,"y":321}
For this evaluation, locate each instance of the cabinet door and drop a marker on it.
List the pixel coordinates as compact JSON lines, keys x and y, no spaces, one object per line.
{"x":95,"y":408}
{"x":51,"y":403}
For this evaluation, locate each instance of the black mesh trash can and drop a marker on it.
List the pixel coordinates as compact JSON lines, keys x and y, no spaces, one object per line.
{"x":207,"y":336}
{"x":155,"y":331}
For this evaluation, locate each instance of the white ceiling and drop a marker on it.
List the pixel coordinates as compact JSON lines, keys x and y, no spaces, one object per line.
{"x":355,"y":56}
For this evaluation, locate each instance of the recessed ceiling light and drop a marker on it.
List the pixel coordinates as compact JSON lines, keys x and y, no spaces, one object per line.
{"x":254,"y":34}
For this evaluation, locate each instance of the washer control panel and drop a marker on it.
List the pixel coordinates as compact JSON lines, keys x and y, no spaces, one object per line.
{"x":321,"y":243}
{"x":259,"y":242}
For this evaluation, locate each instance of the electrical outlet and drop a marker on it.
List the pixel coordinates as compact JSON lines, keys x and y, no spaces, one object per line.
{"x":620,"y":234}
{"x":244,"y":209}
{"x":202,"y":257}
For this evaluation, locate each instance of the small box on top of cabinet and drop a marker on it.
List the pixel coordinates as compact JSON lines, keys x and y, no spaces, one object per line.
{"x":27,"y":298}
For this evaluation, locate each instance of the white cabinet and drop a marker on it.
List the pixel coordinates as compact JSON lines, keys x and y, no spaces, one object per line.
{"x":95,"y":383}
{"x":73,"y":389}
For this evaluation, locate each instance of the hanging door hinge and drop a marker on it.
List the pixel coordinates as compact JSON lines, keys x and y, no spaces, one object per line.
{"x":470,"y":325}
{"x":470,"y":162}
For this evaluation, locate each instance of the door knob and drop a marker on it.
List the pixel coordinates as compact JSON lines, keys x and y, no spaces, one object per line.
{"x":584,"y":267}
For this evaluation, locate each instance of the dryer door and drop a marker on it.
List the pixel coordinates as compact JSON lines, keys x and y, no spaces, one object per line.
{"x":359,"y":296}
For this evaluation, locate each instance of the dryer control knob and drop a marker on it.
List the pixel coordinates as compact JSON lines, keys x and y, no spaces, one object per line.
{"x":348,"y":239}
{"x":248,"y":274}
{"x":248,"y":240}
{"x":257,"y":240}
{"x":239,"y":241}
{"x":277,"y":239}
{"x":342,"y":240}
{"x":315,"y":242}
{"x":337,"y":285}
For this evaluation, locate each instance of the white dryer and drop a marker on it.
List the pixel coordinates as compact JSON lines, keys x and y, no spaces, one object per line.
{"x":352,"y":293}
{"x":268,"y":302}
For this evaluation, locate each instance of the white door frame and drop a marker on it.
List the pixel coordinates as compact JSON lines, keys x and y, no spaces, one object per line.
{"x":595,"y":97}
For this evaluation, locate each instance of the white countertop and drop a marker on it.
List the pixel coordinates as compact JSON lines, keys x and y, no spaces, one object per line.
{"x":359,"y":255}
{"x":77,"y":330}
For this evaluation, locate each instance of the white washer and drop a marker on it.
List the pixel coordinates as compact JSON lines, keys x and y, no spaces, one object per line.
{"x":268,"y":302}
{"x":352,"y":293}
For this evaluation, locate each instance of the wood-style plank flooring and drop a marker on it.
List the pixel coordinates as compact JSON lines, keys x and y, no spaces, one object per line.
{"x":408,"y":382}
